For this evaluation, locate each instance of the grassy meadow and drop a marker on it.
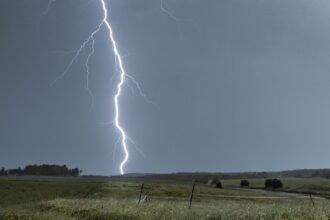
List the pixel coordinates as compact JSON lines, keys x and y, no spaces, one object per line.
{"x":75,"y":198}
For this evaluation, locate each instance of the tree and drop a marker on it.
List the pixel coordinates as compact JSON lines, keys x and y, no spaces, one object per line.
{"x":244,"y":183}
{"x":3,"y":172}
{"x":277,"y":184}
{"x":268,"y":183}
{"x":218,"y":185}
{"x":273,"y":183}
{"x":213,"y":181}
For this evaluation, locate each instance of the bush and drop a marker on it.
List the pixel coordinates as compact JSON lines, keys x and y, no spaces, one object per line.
{"x":277,"y":184}
{"x":218,"y":185}
{"x":273,"y":183}
{"x":244,"y":183}
{"x":213,"y":181}
{"x":268,"y":183}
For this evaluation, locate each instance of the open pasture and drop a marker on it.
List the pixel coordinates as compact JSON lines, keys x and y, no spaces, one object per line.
{"x":88,"y":199}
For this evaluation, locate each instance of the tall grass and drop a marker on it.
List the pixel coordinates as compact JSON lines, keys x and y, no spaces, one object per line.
{"x":84,"y":200}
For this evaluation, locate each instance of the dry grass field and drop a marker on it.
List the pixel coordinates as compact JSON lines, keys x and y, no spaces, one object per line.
{"x":93,"y":199}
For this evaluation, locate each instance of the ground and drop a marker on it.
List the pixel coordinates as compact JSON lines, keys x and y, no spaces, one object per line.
{"x":81,"y":198}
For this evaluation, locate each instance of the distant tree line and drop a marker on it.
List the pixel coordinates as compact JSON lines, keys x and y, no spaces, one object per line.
{"x":307,"y":173}
{"x":204,"y":177}
{"x":41,"y":170}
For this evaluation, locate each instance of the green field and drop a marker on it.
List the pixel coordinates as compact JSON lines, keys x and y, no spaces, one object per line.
{"x":76,"y":198}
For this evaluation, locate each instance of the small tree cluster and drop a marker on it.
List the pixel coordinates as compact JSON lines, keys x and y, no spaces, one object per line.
{"x":273,"y":183}
{"x":41,"y":170}
{"x":218,"y":185}
{"x":215,"y":181}
{"x":244,"y":183}
{"x":3,"y":172}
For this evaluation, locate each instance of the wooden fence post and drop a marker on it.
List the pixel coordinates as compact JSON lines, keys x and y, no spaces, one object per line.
{"x":310,"y":196}
{"x":192,"y":194}
{"x":141,"y":191}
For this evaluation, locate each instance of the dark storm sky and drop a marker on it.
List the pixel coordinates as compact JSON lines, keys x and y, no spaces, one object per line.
{"x":238,"y":85}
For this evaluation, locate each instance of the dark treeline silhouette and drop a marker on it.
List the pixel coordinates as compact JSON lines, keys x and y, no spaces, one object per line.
{"x":41,"y":170}
{"x":204,"y":177}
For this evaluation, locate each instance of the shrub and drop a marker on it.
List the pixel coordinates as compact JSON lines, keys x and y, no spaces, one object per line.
{"x":213,"y":181}
{"x":268,"y":183}
{"x":244,"y":183}
{"x":273,"y":183}
{"x":218,"y":185}
{"x":277,"y":184}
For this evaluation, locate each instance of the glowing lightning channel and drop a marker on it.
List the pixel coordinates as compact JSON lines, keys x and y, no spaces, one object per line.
{"x":87,"y":75}
{"x":170,"y":14}
{"x":166,"y":11}
{"x":119,"y":88}
{"x":119,"y":66}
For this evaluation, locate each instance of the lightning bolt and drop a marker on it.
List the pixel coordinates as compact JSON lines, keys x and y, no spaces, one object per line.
{"x":119,"y":88}
{"x":123,"y":139}
{"x":170,"y":14}
{"x":178,"y":20}
{"x":166,"y":11}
